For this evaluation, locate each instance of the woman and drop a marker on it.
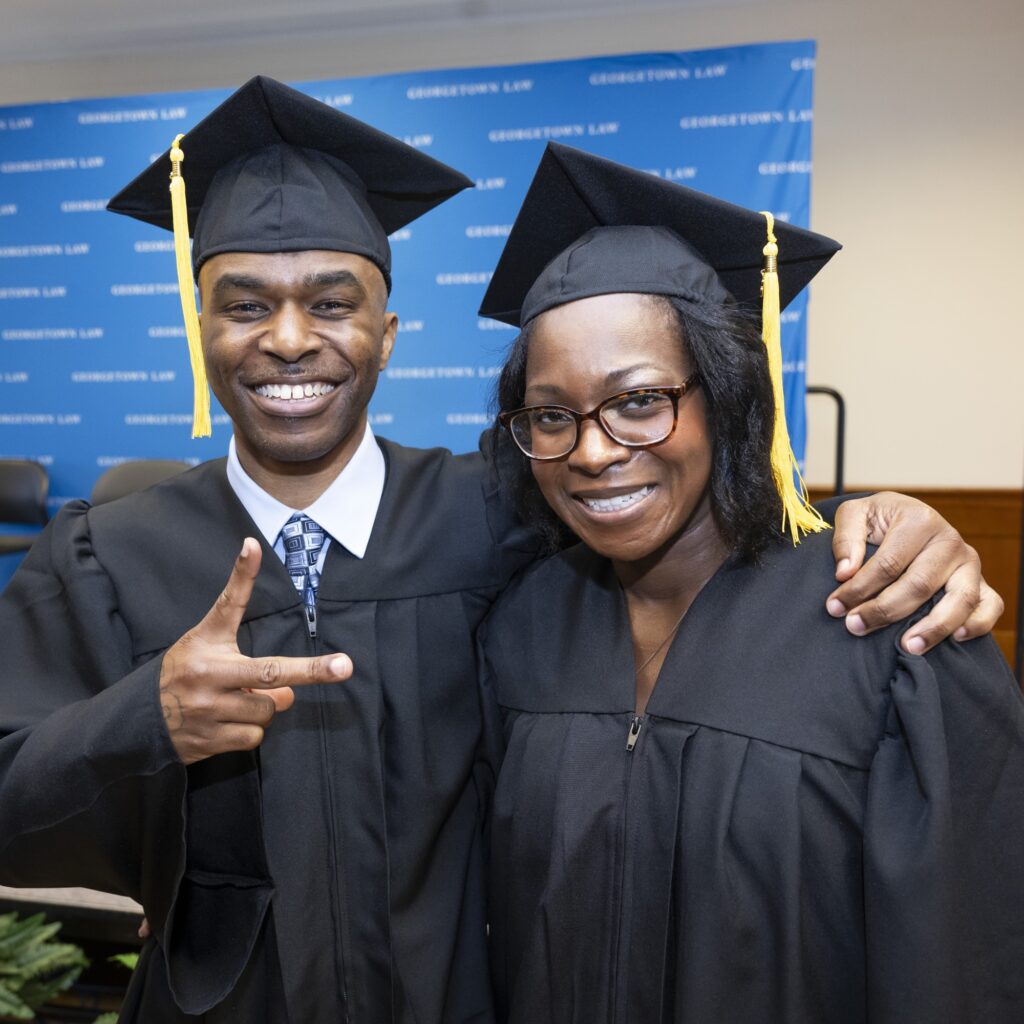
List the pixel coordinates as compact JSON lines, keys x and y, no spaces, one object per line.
{"x":715,"y":806}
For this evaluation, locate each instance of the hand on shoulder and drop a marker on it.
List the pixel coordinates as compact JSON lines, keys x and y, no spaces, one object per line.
{"x":919,"y":553}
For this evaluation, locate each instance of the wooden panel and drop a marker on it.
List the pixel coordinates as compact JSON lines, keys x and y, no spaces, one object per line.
{"x":990,"y":521}
{"x":89,"y":899}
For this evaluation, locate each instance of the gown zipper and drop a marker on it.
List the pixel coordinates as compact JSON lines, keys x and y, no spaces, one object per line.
{"x":619,"y":1004}
{"x":339,"y":897}
{"x":620,"y":995}
{"x":634,"y":732}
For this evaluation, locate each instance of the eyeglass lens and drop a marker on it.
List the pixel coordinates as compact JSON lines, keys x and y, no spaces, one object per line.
{"x":637,"y":419}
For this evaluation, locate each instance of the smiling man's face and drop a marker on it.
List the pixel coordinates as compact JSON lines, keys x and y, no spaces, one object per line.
{"x":294,"y":343}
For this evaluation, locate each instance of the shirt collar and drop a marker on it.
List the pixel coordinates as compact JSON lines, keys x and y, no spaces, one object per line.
{"x":346,"y":510}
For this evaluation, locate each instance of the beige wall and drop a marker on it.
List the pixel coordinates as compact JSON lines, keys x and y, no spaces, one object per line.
{"x":919,"y":145}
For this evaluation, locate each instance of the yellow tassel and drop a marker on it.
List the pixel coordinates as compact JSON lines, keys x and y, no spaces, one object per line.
{"x":187,"y":288}
{"x":798,"y":515}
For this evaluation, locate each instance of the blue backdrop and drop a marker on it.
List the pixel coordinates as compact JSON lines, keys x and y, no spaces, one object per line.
{"x":93,"y":362}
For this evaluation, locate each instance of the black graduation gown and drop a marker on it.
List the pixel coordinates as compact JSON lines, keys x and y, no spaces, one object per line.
{"x":810,"y":827}
{"x":335,"y":875}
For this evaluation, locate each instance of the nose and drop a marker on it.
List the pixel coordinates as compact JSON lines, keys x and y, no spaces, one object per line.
{"x":595,"y":451}
{"x":290,"y":334}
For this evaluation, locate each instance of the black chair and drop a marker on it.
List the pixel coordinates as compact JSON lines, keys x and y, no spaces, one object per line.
{"x":136,"y":475}
{"x":24,"y":486}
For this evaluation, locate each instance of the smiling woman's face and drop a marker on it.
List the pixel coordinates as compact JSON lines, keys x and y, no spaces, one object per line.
{"x":582,"y":353}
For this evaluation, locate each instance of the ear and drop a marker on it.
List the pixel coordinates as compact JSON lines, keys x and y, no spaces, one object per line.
{"x":199,"y":294}
{"x":388,"y":339}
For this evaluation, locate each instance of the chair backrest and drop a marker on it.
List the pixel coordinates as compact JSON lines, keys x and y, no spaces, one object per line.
{"x":136,"y":475}
{"x":24,"y":486}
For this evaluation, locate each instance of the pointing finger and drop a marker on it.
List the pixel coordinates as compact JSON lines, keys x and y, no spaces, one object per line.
{"x":274,"y":673}
{"x":220,"y":625}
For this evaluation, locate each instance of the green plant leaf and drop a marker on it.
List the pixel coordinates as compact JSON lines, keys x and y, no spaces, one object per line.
{"x":33,"y":968}
{"x":129,"y":960}
{"x":37,"y":991}
{"x":43,"y":934}
{"x":20,"y":934}
{"x":13,"y":1006}
{"x":37,"y":960}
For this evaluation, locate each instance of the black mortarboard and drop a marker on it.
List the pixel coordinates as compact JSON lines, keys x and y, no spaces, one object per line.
{"x":589,"y":226}
{"x":274,"y":170}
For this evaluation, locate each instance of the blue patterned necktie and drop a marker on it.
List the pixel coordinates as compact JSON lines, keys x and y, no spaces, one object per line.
{"x":303,"y":541}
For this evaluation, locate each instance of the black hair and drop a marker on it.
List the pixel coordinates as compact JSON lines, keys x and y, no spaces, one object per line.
{"x":724,"y":346}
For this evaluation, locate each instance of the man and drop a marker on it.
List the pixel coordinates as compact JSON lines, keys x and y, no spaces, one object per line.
{"x":302,"y":826}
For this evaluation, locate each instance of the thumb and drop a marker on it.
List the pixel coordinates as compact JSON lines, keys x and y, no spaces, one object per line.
{"x":221,"y":622}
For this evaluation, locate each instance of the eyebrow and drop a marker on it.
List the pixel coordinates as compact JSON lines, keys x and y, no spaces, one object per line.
{"x":318,"y":279}
{"x":226,"y":282}
{"x":612,"y":380}
{"x":330,"y":278}
{"x":618,"y":376}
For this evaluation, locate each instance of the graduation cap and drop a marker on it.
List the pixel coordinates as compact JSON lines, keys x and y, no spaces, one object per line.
{"x":589,"y":226}
{"x":273,"y":170}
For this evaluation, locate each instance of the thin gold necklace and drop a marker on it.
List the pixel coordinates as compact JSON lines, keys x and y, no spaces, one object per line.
{"x":671,"y":633}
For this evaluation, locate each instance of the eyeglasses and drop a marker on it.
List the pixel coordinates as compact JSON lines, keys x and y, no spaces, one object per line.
{"x":634,"y":419}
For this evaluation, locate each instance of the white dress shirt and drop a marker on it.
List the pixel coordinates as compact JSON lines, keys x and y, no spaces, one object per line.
{"x":346,"y":510}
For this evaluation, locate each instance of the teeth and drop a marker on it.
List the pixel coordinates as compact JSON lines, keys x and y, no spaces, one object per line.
{"x":292,"y":392}
{"x":620,"y":501}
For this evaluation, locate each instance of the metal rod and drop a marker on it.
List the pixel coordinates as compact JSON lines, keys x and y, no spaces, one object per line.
{"x":840,"y":469}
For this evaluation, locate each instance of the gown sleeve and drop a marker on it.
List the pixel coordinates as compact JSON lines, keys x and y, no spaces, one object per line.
{"x":944,"y":843}
{"x":92,"y":792}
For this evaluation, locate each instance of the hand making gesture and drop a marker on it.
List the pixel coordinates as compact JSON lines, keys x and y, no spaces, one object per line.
{"x":213,"y":697}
